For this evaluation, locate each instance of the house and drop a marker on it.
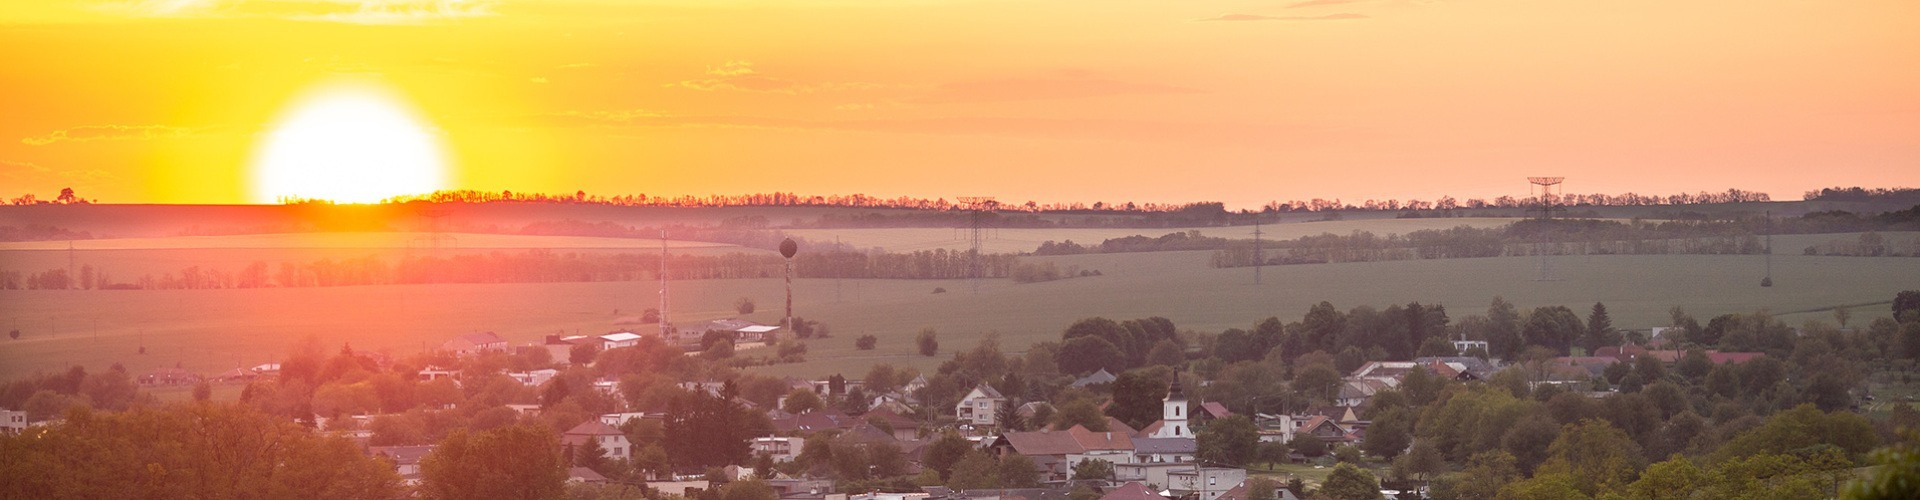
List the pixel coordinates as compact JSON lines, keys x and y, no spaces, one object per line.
{"x":474,"y":343}
{"x":1132,"y":491}
{"x":560,"y":349}
{"x":621,"y":419}
{"x":1466,"y":346}
{"x":782,"y":449}
{"x":915,"y":385}
{"x":432,"y":373}
{"x":1049,"y":450}
{"x":533,"y":378}
{"x":1113,"y":447}
{"x":902,"y":428}
{"x":980,"y":407}
{"x":406,"y":459}
{"x":1208,"y":482}
{"x":584,"y":475}
{"x":1173,"y":415}
{"x":612,"y":442}
{"x":1154,"y":474}
{"x":812,"y":421}
{"x":619,"y":340}
{"x":1280,"y":492}
{"x":1096,"y":378}
{"x":12,"y":421}
{"x":743,"y":330}
{"x":1468,"y":367}
{"x":1164,"y":450}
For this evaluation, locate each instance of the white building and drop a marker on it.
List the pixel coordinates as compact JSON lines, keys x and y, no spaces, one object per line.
{"x":782,"y":449}
{"x":13,"y":421}
{"x":981,"y":406}
{"x":612,"y":442}
{"x":618,"y":340}
{"x":534,"y":378}
{"x":1209,"y":482}
{"x":1173,"y":415}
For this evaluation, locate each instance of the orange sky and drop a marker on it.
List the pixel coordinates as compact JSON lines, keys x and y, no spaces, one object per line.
{"x":1056,"y":100}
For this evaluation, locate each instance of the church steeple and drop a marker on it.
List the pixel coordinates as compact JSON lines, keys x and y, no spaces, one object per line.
{"x":1173,"y":391}
{"x":1173,"y":413}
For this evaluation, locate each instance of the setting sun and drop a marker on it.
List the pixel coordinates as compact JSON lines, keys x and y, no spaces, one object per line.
{"x":348,"y":142}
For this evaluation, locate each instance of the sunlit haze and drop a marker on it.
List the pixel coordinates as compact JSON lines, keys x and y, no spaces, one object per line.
{"x":1237,"y":101}
{"x":349,"y":143}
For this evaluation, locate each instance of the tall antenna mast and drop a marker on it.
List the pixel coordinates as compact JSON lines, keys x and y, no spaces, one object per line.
{"x":975,"y":267}
{"x":1547,"y":200}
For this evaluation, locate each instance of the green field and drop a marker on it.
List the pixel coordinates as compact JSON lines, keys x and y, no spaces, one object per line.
{"x":212,"y":330}
{"x":1011,"y":240}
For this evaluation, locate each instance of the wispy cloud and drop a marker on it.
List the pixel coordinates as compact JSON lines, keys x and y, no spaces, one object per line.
{"x":740,"y":76}
{"x":1317,"y":3}
{"x":1034,"y":89}
{"x":1257,"y":17}
{"x":1048,"y":128}
{"x":87,"y":133}
{"x":26,"y":171}
{"x":340,"y":11}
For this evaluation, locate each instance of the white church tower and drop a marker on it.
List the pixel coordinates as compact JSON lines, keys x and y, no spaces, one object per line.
{"x":1173,"y":414}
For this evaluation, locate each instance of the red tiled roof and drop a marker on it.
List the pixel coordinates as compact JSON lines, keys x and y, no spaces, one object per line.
{"x":1044,"y":443}
{"x":1090,"y":440}
{"x":1132,"y":491}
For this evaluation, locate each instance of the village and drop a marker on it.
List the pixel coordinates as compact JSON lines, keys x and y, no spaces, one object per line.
{"x":909,"y":438}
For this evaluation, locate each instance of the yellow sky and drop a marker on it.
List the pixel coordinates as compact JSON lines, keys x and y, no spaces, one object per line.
{"x":1057,"y":100}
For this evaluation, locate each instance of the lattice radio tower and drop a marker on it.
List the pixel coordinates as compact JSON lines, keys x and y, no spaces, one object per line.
{"x":435,"y":224}
{"x":979,"y":206}
{"x":1546,"y":192}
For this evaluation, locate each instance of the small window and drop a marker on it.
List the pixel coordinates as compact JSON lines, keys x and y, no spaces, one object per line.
{"x":1176,"y":411}
{"x":1176,"y":431}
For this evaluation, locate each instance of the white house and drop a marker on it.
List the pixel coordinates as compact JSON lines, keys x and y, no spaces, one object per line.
{"x":612,"y":441}
{"x":406,"y":459}
{"x":782,"y":449}
{"x":618,"y":340}
{"x":1209,"y":482}
{"x":474,"y":343}
{"x":13,"y":421}
{"x":560,"y":349}
{"x":534,"y":378}
{"x":1165,"y":450}
{"x":980,"y":406}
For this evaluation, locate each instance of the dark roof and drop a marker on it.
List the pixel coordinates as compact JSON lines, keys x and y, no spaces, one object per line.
{"x":989,"y":391}
{"x":1215,"y":409}
{"x":482,"y":338}
{"x":585,"y":474}
{"x":1095,"y":378}
{"x":1165,"y":445}
{"x":593,"y":428}
{"x":896,"y":420}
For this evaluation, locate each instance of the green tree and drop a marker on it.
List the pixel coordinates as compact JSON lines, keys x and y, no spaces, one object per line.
{"x":802,"y":400}
{"x":1558,"y":485}
{"x":1503,"y":329}
{"x":1595,"y":455}
{"x":1231,"y":441}
{"x":1348,"y":482}
{"x":520,"y":461}
{"x":945,"y":452}
{"x":1486,"y":473}
{"x":1086,"y":354}
{"x":1138,"y":396}
{"x":1600,"y":332}
{"x":866,"y":342}
{"x":1553,"y":327}
{"x":1389,"y":434}
{"x":975,"y":471}
{"x":751,"y":489}
{"x":1803,"y":427}
{"x":1082,"y":413}
{"x":1093,"y":469}
{"x":1898,"y":473}
{"x":1262,"y":488}
{"x":929,"y":342}
{"x":1423,"y":462}
{"x":1018,"y":471}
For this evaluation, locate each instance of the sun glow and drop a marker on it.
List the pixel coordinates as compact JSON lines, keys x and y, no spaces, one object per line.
{"x":348,"y":142}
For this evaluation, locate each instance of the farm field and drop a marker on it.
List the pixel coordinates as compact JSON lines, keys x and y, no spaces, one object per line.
{"x":211,"y":330}
{"x":1012,"y":240}
{"x":381,"y":240}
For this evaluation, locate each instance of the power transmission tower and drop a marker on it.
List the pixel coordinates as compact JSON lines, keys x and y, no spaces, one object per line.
{"x":1547,"y":202}
{"x":1258,"y":261}
{"x":975,"y":265}
{"x":1768,"y":280}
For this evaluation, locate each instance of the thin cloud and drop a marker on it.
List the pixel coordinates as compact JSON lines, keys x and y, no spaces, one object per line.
{"x":1317,"y":3}
{"x":1051,"y":128}
{"x":740,"y":76}
{"x":387,"y":12}
{"x":1257,"y":17}
{"x":26,"y":171}
{"x":88,"y":133}
{"x":1035,"y":89}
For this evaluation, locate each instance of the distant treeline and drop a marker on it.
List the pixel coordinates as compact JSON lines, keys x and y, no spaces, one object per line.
{"x":537,"y":266}
{"x":942,"y":204}
{"x":1897,"y":195}
{"x":41,"y":232}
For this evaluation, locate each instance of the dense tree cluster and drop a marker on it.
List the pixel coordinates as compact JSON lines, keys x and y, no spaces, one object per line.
{"x":197,"y":450}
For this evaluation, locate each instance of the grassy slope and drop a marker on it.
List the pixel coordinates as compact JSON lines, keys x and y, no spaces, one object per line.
{"x":1008,"y":240}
